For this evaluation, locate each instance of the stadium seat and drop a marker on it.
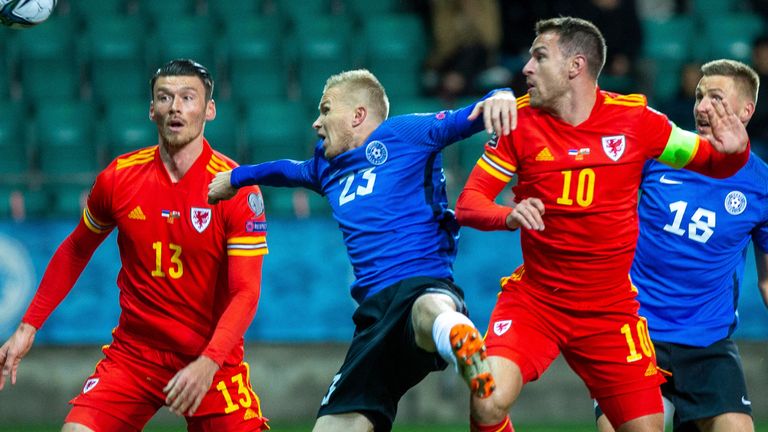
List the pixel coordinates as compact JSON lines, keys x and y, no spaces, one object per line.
{"x":91,"y":11}
{"x":301,"y":10}
{"x":254,"y":55}
{"x":183,"y":37}
{"x":127,"y":127}
{"x":65,"y":141}
{"x":49,"y":64}
{"x":277,"y":130}
{"x":67,"y":200}
{"x":224,"y":133}
{"x":324,"y":48}
{"x":394,"y":51}
{"x":14,"y":163}
{"x":116,"y":63}
{"x":731,"y":36}
{"x":668,"y":39}
{"x":229,"y":10}
{"x":364,"y":11}
{"x":165,"y":13}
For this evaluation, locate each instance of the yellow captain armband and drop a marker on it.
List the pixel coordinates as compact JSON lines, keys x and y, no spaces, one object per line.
{"x":680,"y":149}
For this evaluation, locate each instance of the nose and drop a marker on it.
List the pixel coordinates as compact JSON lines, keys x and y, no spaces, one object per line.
{"x":176,"y":105}
{"x":316,"y":124}
{"x":528,"y":68}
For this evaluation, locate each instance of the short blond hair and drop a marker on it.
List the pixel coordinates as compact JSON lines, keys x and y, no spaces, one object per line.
{"x":363,"y":81}
{"x":744,"y":76}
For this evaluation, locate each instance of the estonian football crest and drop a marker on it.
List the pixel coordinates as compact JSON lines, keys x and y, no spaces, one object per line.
{"x":501,"y":327}
{"x":614,"y":146}
{"x":376,"y":152}
{"x":201,"y":218}
{"x":735,"y":203}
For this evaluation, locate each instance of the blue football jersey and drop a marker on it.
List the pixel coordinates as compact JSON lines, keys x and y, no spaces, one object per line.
{"x":689,"y":262}
{"x":388,"y":196}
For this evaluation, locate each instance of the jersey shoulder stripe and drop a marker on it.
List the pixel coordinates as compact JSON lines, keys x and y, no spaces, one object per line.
{"x":630,"y":100}
{"x":139,"y":157}
{"x":523,"y":101}
{"x":217,"y":165}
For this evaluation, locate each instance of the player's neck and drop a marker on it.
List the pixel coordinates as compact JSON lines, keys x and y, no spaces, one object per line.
{"x":178,"y":160}
{"x":576,"y":106}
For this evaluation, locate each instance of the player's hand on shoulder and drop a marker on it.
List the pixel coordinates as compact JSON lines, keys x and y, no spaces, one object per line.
{"x":729,"y":135}
{"x":186,"y":390}
{"x":221,"y":187}
{"x":527,"y":214}
{"x":499,"y":113}
{"x":13,"y":350}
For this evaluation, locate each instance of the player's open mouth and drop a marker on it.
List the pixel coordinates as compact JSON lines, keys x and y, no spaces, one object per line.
{"x":175,"y":125}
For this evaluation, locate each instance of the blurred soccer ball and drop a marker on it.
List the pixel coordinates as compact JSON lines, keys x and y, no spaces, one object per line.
{"x":25,"y":13}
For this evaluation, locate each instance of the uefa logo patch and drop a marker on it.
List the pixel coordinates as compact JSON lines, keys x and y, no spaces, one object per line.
{"x":376,"y":152}
{"x":256,"y":203}
{"x":735,"y":203}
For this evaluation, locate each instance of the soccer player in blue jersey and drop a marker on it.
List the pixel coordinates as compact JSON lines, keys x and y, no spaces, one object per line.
{"x":384,"y":181}
{"x":689,"y":263}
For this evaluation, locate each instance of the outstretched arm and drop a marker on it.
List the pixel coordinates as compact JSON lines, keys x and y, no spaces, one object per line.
{"x":283,"y":173}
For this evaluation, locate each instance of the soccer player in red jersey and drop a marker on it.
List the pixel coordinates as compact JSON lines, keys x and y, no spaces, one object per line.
{"x":579,"y":152}
{"x":189,"y":283}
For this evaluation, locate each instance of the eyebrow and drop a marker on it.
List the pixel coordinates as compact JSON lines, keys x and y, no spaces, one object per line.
{"x":539,"y":48}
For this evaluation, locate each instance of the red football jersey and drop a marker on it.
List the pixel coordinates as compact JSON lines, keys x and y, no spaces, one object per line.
{"x":177,"y":255}
{"x":588,"y":178}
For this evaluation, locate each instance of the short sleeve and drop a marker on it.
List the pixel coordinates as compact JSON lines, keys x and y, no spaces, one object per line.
{"x":655,"y":131}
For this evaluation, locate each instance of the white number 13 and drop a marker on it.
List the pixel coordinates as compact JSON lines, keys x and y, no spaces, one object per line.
{"x":347,"y":194}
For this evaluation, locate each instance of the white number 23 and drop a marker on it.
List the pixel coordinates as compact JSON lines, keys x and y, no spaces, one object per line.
{"x":348,"y":193}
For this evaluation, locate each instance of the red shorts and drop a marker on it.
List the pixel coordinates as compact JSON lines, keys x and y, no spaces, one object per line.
{"x":126,"y":390}
{"x":609,"y":348}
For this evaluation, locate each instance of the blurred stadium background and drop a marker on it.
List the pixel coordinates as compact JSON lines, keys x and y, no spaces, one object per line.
{"x":74,"y":94}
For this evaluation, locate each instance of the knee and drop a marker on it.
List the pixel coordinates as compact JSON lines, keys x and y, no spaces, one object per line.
{"x":491,"y":410}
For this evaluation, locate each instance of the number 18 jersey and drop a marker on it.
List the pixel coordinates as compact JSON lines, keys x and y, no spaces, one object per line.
{"x":694,"y":233}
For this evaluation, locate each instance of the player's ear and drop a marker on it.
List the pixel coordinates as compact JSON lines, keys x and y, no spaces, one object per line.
{"x":361,"y":113}
{"x":577,"y":65}
{"x":152,"y":111}
{"x":210,"y":110}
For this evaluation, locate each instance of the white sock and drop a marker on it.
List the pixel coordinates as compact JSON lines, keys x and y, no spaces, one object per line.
{"x":441,"y":333}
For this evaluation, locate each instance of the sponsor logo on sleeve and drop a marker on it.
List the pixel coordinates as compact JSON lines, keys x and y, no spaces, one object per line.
{"x":255,"y":226}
